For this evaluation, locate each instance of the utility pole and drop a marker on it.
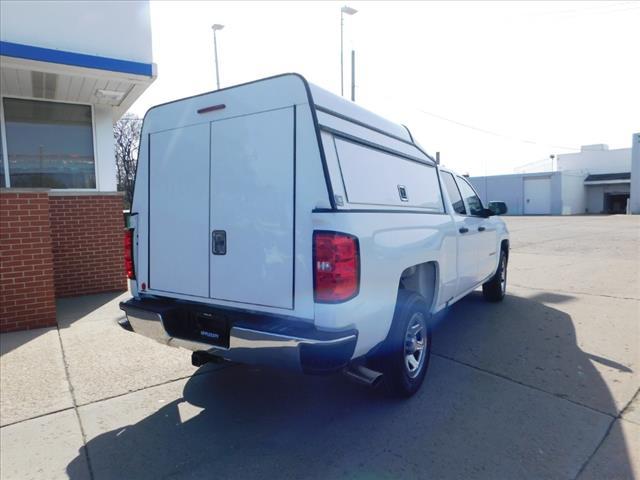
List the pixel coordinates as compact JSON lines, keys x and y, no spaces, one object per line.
{"x":353,"y":75}
{"x":342,"y":52}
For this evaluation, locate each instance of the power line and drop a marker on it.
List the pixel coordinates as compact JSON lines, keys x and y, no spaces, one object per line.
{"x":610,"y":7}
{"x":496,"y":134}
{"x":479,"y":129}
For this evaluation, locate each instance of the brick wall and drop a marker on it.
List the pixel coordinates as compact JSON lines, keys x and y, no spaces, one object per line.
{"x":26,"y":262}
{"x":87,"y":242}
{"x":55,"y":245}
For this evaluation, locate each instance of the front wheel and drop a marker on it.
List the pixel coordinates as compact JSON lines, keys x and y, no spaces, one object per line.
{"x":408,"y":345}
{"x":495,"y":289}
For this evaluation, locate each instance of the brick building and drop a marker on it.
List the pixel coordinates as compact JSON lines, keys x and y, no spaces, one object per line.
{"x":68,"y":71}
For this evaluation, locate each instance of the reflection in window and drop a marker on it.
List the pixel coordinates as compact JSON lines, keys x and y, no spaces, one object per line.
{"x":454,"y":193}
{"x":475,"y":205}
{"x":49,"y":145}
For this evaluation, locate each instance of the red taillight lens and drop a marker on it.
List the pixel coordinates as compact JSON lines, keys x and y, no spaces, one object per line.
{"x":128,"y":253}
{"x":336,"y":264}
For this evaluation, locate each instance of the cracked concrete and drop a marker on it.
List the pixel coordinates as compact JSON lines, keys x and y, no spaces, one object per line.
{"x":544,"y":385}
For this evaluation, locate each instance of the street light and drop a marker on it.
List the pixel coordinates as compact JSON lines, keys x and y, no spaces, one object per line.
{"x":215,"y":27}
{"x":348,"y":11}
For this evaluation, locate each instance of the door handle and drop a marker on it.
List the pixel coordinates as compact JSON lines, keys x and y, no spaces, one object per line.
{"x":463,"y":229}
{"x":219,"y":242}
{"x":481,"y":229}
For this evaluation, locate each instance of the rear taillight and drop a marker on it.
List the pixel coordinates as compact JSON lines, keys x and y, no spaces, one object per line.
{"x":128,"y":254}
{"x":336,"y":264}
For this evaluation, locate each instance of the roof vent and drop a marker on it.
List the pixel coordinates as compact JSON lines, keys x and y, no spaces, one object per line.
{"x":43,"y":85}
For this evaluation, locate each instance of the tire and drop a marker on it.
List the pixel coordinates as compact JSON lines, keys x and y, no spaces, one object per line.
{"x":409,"y":330}
{"x":495,"y":289}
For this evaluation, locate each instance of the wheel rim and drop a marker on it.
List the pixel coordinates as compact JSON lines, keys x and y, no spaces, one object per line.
{"x":415,"y":345}
{"x":503,"y":274}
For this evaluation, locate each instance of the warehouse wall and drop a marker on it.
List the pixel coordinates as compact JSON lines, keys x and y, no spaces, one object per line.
{"x":556,"y":193}
{"x":510,"y":189}
{"x":635,"y":173}
{"x":596,"y":161}
{"x":505,"y":188}
{"x":574,"y":198}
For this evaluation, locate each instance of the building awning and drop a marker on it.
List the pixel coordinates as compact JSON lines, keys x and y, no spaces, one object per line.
{"x":608,"y":178}
{"x":35,"y":72}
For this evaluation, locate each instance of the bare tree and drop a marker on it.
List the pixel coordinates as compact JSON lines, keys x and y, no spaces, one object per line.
{"x":127,"y":138}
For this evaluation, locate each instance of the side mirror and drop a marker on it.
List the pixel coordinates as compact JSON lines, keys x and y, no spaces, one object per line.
{"x":498,"y":208}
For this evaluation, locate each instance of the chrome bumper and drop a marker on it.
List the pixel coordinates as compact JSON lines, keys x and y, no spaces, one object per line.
{"x":308,"y":350}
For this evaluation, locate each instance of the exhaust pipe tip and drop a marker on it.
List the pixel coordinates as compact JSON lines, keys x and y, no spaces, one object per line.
{"x":363,"y":375}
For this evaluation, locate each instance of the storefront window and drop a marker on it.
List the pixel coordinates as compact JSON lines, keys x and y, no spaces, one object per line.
{"x":49,"y":145}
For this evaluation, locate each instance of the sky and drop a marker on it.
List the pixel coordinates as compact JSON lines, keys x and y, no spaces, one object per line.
{"x":490,"y":85}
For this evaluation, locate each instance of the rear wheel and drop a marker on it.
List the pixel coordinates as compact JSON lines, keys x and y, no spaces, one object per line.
{"x":408,"y":346}
{"x":495,"y":289}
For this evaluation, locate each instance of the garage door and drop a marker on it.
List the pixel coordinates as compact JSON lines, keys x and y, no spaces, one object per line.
{"x":537,"y":196}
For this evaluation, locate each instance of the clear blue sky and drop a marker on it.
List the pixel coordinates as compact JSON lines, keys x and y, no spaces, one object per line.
{"x":531,"y":78}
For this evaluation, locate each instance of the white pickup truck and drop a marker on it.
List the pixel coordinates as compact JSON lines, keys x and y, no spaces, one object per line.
{"x":275,"y":223}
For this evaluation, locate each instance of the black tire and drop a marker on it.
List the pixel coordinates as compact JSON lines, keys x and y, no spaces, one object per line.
{"x":399,"y":380}
{"x":495,"y":289}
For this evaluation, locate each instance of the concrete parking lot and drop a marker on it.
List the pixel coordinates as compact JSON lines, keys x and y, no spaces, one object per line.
{"x":543,"y":385}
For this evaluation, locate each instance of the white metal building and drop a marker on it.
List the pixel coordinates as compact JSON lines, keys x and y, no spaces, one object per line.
{"x":593,"y":181}
{"x":68,"y":70}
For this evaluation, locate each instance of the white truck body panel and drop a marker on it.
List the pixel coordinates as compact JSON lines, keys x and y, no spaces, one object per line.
{"x":418,"y":180}
{"x":246,"y":179}
{"x":384,"y":237}
{"x":177,"y":233}
{"x":271,"y":162}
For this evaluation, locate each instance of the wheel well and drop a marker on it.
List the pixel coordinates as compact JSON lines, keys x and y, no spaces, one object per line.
{"x":421,"y":279}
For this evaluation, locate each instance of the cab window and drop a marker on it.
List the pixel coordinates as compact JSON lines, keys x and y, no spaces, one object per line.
{"x":470,"y":197}
{"x":454,"y":193}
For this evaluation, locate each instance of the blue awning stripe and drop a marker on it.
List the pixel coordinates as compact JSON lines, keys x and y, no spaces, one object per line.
{"x":41,"y":54}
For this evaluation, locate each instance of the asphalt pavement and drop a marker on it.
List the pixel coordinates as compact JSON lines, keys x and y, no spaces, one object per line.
{"x":542,"y":385}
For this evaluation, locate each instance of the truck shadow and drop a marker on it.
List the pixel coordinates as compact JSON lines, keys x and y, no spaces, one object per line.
{"x":505,"y":417}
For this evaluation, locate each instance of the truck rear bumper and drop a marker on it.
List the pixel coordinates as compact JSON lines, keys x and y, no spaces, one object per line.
{"x":241,"y":336}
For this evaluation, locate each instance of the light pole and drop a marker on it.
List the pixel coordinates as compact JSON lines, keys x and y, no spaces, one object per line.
{"x":353,"y":75}
{"x":215,"y":27}
{"x":348,"y":11}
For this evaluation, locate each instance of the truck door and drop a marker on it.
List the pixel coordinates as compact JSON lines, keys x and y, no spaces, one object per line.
{"x":252,"y":208}
{"x":482,"y":230}
{"x":467,"y":244}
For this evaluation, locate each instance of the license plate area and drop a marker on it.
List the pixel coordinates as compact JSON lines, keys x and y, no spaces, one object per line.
{"x":212,"y":328}
{"x":200,"y":326}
